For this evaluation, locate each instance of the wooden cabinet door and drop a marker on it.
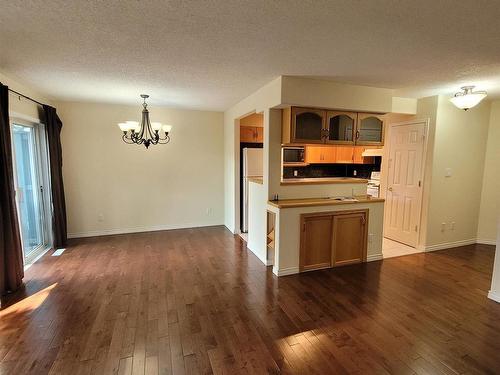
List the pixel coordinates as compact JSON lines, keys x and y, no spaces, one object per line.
{"x":341,"y":127}
{"x":320,"y":154}
{"x":259,"y":135}
{"x":247,"y":134}
{"x":370,"y":129}
{"x":344,"y":154}
{"x":316,"y":242}
{"x":314,"y":155}
{"x":308,"y":125}
{"x":349,"y":237}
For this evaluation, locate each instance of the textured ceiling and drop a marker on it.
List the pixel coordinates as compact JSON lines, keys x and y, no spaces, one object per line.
{"x":211,"y":54}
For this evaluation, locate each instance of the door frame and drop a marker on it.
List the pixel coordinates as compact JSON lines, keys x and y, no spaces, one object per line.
{"x":387,"y":152}
{"x":41,"y":161}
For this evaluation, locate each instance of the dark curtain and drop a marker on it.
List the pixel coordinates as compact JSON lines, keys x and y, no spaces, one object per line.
{"x":59,"y":225}
{"x":11,"y":253}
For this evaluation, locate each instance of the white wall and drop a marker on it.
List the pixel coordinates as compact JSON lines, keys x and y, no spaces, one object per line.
{"x":490,"y":196}
{"x":134,"y":189}
{"x":459,"y":144}
{"x":260,"y":101}
{"x":494,"y":293}
{"x":257,"y":221}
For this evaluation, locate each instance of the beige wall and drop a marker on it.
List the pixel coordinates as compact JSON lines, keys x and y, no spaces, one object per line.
{"x":327,"y":94}
{"x":459,"y":143}
{"x":134,"y":189}
{"x":490,"y":196}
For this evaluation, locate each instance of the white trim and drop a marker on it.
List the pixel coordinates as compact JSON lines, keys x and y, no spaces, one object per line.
{"x":374,"y":257}
{"x":286,"y":271}
{"x":484,"y":241}
{"x":447,"y":245}
{"x":494,"y":295}
{"x":22,"y":117}
{"x":155,"y":228}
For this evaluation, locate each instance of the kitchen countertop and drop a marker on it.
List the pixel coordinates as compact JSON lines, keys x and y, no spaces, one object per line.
{"x":257,"y":180}
{"x":310,"y":202}
{"x":324,"y":180}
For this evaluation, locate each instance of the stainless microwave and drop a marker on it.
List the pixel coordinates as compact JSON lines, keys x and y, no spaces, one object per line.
{"x":293,"y":155}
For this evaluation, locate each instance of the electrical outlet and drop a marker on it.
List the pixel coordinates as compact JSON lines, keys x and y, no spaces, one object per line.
{"x":452,"y":225}
{"x":295,"y":173}
{"x":100,"y":218}
{"x":443,"y":227}
{"x":370,"y":237}
{"x":209,"y":211}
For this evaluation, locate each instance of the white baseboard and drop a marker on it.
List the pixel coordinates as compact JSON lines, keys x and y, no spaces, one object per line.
{"x":484,"y":241}
{"x":374,"y":257}
{"x":447,"y":245}
{"x":155,"y":228}
{"x":494,"y":295}
{"x":286,"y":271}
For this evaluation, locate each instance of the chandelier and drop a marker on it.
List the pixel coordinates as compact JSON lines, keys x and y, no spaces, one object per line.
{"x":467,"y":98}
{"x":146,"y":133}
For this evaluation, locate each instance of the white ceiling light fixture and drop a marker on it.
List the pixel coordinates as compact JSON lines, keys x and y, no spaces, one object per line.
{"x":467,"y":98}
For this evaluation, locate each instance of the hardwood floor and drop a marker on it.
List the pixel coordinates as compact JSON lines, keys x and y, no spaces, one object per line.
{"x":197,"y":302}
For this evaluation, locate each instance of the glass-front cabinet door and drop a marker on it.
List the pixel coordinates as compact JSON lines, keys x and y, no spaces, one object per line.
{"x":308,"y":125}
{"x":341,"y":127}
{"x":370,"y":129}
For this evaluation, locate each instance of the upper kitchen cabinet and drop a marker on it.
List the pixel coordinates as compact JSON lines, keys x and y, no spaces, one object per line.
{"x":340,"y":127}
{"x":251,"y":134}
{"x":308,"y":125}
{"x":304,"y":125}
{"x":370,"y":129}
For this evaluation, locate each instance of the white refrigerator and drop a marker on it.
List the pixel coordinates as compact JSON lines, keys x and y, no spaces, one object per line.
{"x":252,"y":167}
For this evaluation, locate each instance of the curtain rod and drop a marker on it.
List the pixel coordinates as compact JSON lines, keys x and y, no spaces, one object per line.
{"x":26,"y":97}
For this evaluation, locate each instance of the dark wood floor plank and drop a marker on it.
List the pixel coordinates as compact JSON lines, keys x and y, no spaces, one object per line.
{"x":196,"y":301}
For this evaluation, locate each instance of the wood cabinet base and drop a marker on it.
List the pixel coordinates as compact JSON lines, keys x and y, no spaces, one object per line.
{"x":331,"y":239}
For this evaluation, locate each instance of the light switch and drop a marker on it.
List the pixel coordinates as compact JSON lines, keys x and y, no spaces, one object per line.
{"x":448,"y":172}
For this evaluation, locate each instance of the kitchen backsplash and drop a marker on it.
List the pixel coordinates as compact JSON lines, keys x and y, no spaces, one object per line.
{"x":333,"y":170}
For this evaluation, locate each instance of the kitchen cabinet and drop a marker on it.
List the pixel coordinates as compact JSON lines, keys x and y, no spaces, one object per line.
{"x":370,"y":129}
{"x":344,"y":154}
{"x":337,"y":154}
{"x":320,"y":155}
{"x":358,"y":157}
{"x":251,"y":134}
{"x":303,"y":125}
{"x":316,"y":242}
{"x":349,"y":238}
{"x":333,"y":239}
{"x":311,"y":125}
{"x":340,"y":127}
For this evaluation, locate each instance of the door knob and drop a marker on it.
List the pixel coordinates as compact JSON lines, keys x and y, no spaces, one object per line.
{"x":390,"y":189}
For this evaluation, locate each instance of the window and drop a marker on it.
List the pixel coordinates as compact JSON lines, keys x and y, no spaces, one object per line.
{"x":29,"y":143}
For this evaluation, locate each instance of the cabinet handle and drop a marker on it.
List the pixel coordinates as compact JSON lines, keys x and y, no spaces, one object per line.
{"x":363,"y":220}
{"x":357,"y":134}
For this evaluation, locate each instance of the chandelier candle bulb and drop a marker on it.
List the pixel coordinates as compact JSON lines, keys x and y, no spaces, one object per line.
{"x":123,"y":127}
{"x":146,"y":133}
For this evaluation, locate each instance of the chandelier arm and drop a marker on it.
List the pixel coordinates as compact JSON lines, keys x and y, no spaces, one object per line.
{"x":164,"y":141}
{"x":127,"y":140}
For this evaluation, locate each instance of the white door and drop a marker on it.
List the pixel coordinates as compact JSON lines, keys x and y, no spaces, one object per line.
{"x":404,"y":183}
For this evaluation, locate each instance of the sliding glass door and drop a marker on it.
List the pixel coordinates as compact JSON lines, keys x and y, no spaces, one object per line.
{"x":31,"y":177}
